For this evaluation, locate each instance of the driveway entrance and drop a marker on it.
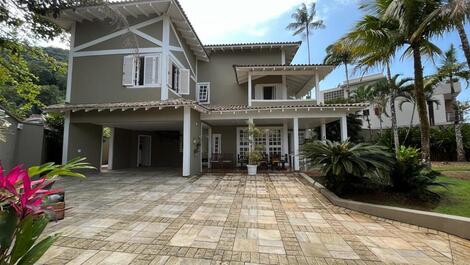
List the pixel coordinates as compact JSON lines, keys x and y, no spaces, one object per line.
{"x":142,"y":217}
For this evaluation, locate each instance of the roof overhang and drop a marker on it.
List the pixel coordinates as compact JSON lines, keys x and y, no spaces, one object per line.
{"x":290,"y":48}
{"x":349,"y":107}
{"x":123,"y":106}
{"x":301,"y":76}
{"x":135,"y":8}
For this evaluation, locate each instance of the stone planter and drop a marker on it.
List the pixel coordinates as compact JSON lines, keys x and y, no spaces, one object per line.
{"x":252,"y":169}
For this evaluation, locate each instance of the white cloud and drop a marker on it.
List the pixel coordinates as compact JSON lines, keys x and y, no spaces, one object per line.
{"x":215,"y":19}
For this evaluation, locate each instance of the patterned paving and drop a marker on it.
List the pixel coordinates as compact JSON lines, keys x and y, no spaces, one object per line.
{"x":159,"y":218}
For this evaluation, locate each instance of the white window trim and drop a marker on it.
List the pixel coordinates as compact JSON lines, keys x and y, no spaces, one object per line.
{"x":214,"y":136}
{"x":239,"y":129}
{"x":159,"y":65}
{"x":262,"y":86}
{"x":208,"y":84}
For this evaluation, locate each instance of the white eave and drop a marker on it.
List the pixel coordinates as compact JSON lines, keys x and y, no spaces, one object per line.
{"x":135,"y":8}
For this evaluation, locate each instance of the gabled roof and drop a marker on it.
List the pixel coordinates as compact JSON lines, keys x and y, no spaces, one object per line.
{"x":290,"y":47}
{"x":136,"y":8}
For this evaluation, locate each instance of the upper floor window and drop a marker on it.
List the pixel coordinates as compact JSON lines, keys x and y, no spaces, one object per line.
{"x":141,"y":70}
{"x":178,"y":78}
{"x":203,"y":92}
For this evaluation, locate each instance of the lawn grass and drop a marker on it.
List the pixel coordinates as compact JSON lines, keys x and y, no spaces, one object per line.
{"x":451,"y":166}
{"x":455,"y":199}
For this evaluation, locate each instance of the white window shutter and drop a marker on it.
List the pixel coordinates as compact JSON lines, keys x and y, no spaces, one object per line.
{"x":156,"y":70}
{"x":149,"y":70}
{"x":184,"y":82}
{"x":170,"y":75}
{"x":259,"y":92}
{"x":128,"y":70}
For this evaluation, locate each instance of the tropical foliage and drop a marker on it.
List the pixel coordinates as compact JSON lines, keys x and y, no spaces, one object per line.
{"x":412,"y":176}
{"x":345,"y":165}
{"x":23,"y":205}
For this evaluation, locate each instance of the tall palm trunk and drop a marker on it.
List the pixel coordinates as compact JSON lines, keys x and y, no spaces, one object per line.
{"x":464,"y":40}
{"x":309,"y":93}
{"x":347,"y":78}
{"x":421,"y":102}
{"x":457,"y":124}
{"x":396,"y":140}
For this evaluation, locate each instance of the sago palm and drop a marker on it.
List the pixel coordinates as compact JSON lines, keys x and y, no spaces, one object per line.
{"x":452,"y":70}
{"x":305,"y":21}
{"x":342,"y":162}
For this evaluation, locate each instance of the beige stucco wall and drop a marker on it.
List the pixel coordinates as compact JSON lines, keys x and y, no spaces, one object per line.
{"x":98,"y":79}
{"x":85,"y":141}
{"x":219,"y":71}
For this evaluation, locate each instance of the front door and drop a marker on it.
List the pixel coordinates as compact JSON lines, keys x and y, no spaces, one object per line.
{"x":144,"y":151}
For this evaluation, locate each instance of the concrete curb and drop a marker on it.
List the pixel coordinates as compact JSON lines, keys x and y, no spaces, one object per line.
{"x":451,"y":224}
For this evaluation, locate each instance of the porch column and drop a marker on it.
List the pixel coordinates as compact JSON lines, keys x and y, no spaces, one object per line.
{"x":249,"y":89}
{"x":344,"y":128}
{"x":323,"y":131}
{"x":285,"y":138}
{"x":186,"y":141}
{"x":318,"y":96}
{"x":209,"y":146}
{"x":165,"y":57}
{"x":296,"y":144}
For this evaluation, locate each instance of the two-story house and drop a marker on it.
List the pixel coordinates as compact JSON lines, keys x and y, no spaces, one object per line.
{"x":440,"y":104}
{"x":171,"y":101}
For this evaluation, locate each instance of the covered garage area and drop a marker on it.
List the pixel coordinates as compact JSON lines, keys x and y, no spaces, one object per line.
{"x":143,"y":134}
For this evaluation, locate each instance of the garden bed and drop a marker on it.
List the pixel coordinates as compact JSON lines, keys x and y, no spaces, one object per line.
{"x":455,"y":199}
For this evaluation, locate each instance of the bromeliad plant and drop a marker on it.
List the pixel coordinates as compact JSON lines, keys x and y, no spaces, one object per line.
{"x":23,"y":205}
{"x":345,"y":165}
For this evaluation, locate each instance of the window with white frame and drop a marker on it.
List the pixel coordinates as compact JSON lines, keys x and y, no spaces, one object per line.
{"x":178,"y":78}
{"x":270,"y":139}
{"x":203,"y":92}
{"x":141,"y":70}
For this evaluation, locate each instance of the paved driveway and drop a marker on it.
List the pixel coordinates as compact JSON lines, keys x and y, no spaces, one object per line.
{"x":158,"y":218}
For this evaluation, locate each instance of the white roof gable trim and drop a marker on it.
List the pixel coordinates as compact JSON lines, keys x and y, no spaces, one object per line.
{"x":137,"y":8}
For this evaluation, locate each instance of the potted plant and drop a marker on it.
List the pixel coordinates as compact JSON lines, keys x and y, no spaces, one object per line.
{"x":255,"y":153}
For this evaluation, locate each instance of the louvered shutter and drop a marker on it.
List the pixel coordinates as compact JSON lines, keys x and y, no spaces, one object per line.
{"x":156,"y":70}
{"x":184,"y":82}
{"x":170,"y":74}
{"x":128,"y":70}
{"x":149,"y":63}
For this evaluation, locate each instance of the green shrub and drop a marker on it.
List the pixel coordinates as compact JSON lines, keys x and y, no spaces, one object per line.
{"x":346,"y":165}
{"x":410,"y":175}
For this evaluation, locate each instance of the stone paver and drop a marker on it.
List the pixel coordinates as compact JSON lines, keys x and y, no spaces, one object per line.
{"x":155,"y":217}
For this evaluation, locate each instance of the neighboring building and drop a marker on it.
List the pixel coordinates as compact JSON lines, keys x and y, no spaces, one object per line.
{"x":442,"y":112}
{"x":24,"y":142}
{"x":173,"y":102}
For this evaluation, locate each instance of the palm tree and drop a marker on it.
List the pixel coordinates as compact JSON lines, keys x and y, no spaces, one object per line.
{"x":305,"y":21}
{"x":450,"y":68}
{"x":364,"y":94}
{"x":407,"y":17}
{"x":455,"y":13}
{"x":340,"y":53}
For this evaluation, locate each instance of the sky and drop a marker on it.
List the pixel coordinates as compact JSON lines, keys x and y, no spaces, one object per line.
{"x":227,"y":21}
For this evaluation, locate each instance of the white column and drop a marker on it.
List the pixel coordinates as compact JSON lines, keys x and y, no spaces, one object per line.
{"x":296,"y":144}
{"x":209,"y":147}
{"x":65,"y":145}
{"x":250,"y":147}
{"x":318,"y":96}
{"x":344,"y":128}
{"x":165,"y":57}
{"x":323,"y":131}
{"x":249,"y":89}
{"x":68,"y":92}
{"x":285,"y":138}
{"x":186,"y":141}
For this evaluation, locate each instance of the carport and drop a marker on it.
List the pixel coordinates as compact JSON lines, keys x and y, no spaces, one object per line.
{"x":143,"y":134}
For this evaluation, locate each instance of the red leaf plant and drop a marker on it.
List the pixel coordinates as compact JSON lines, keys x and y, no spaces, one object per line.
{"x":22,"y":194}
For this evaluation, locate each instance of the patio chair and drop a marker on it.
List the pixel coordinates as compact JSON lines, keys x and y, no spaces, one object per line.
{"x":216,"y":160}
{"x":264,"y":162}
{"x":275,"y":162}
{"x":227,"y":160}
